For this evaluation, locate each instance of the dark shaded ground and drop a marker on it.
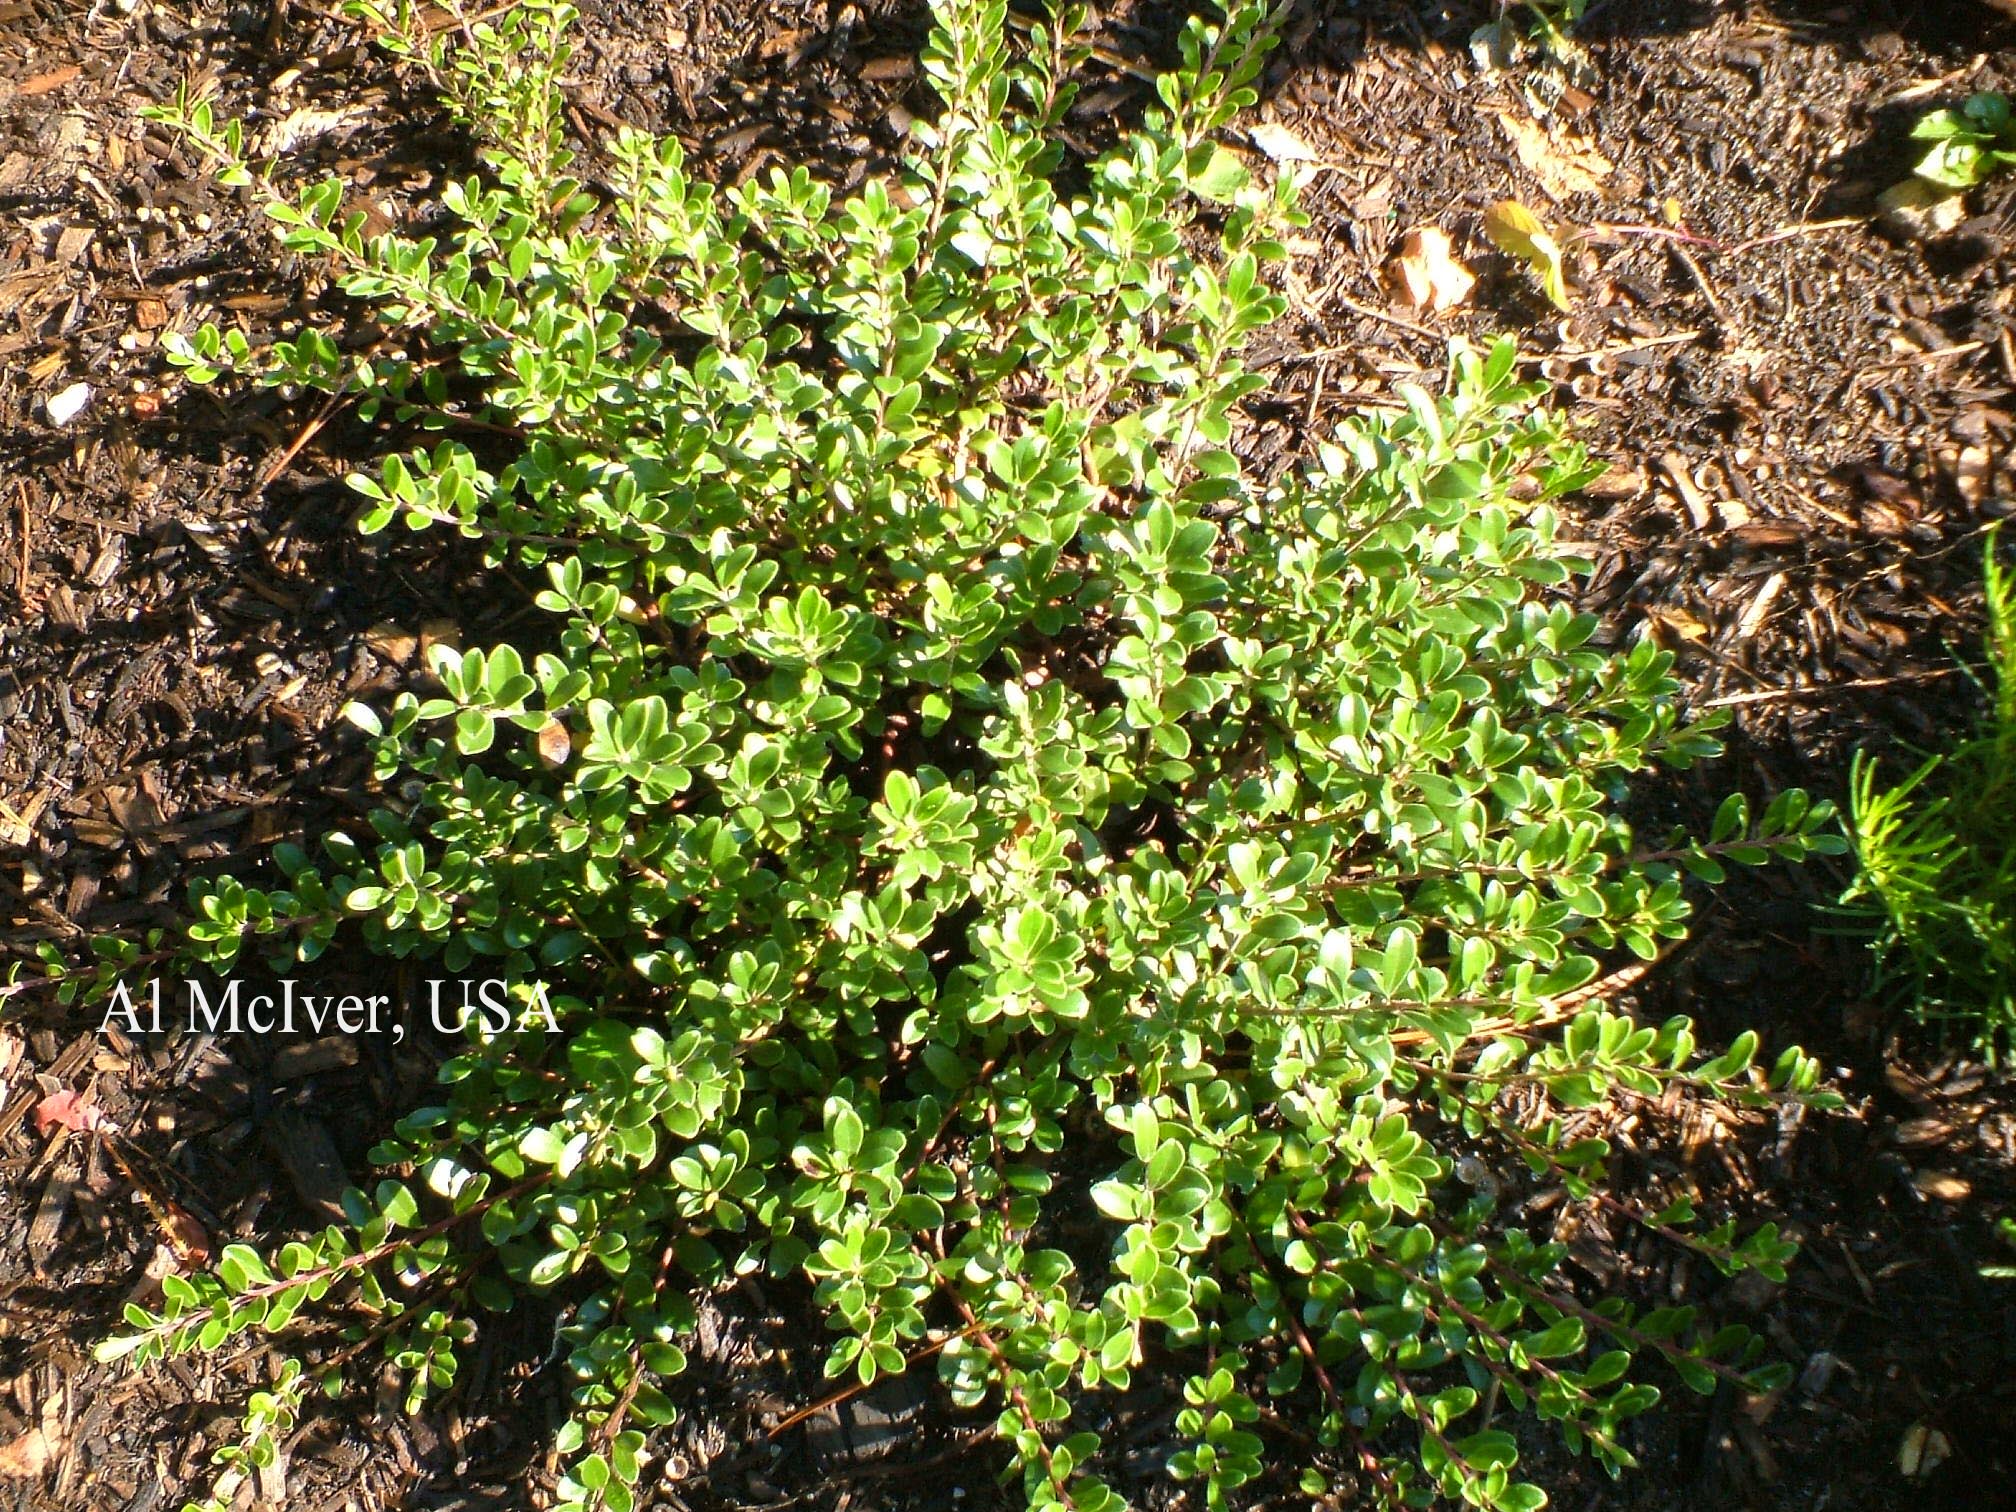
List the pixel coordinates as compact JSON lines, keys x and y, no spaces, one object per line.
{"x":1811,"y":424}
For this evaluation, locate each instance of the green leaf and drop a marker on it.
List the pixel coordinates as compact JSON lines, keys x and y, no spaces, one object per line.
{"x":1219,"y":176}
{"x":542,"y":1147}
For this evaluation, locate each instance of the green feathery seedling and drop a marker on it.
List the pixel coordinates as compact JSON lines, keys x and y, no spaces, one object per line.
{"x":1936,"y":857}
{"x":959,"y":803}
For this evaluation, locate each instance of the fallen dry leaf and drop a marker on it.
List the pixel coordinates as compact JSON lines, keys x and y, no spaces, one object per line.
{"x":30,"y":1455}
{"x":306,"y":124}
{"x":1427,"y":274}
{"x":1669,"y":625}
{"x":1281,"y":144}
{"x":68,"y":1110}
{"x":1563,"y":165}
{"x":554,"y":744}
{"x":185,"y":1235}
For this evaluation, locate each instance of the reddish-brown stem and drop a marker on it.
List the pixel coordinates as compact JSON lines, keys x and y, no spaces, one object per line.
{"x":848,"y":1393}
{"x":1567,"y":1304}
{"x":366,"y":1257}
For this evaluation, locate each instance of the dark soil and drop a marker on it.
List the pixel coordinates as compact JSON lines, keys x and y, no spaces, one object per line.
{"x":1810,"y":423}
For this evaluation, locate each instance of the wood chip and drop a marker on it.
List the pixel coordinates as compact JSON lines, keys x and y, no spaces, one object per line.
{"x":391,"y":642}
{"x":47,"y":1225}
{"x":272,"y":1478}
{"x":1699,"y":513}
{"x":1768,"y":533}
{"x":1760,"y":607}
{"x":42,"y":83}
{"x":439,"y":632}
{"x":1922,"y":1131}
{"x":255,"y":304}
{"x":294,"y":1061}
{"x":738,"y":142}
{"x":1970,"y":474}
{"x":1675,"y":624}
{"x":1942,"y":1185}
{"x":1909,"y":1084}
{"x":106,"y":564}
{"x":313,"y":1165}
{"x":1620,"y":482}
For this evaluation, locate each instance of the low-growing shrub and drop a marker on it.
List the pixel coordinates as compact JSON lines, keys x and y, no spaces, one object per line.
{"x":1936,"y":858}
{"x":960,"y":810}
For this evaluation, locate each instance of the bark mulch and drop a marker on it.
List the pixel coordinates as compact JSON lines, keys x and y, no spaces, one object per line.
{"x":1810,"y":427}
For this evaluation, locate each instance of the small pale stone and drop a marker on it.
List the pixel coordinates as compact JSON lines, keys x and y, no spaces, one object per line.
{"x":1920,"y":211}
{"x":67,"y":404}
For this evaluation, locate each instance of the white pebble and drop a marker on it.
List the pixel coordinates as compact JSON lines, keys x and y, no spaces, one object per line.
{"x":69,"y":404}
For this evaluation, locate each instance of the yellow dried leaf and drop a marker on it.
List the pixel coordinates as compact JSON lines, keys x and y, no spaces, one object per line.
{"x":1515,"y":230}
{"x":1670,"y":625}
